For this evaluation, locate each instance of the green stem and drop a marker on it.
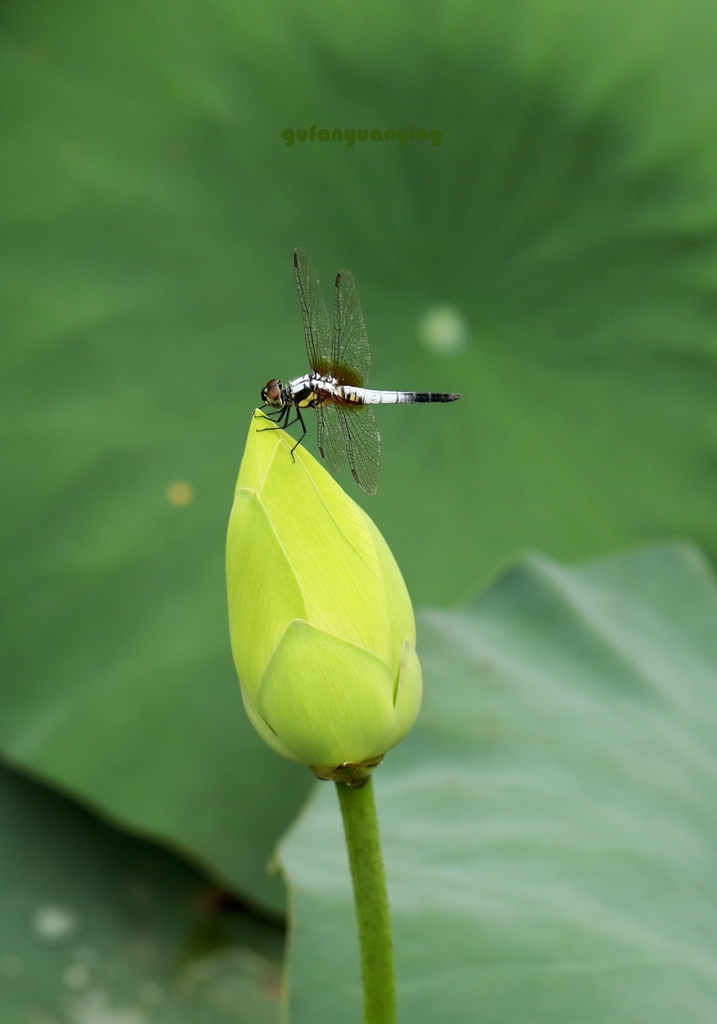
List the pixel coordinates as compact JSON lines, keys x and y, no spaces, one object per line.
{"x":371,"y":898}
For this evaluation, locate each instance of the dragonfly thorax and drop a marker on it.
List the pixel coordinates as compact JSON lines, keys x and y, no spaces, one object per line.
{"x":310,"y":390}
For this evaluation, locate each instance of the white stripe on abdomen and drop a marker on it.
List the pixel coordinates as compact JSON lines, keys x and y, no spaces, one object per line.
{"x":370,"y":397}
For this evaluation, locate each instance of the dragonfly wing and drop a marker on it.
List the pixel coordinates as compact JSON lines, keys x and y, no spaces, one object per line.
{"x":363,"y":444}
{"x":350,"y":354}
{"x":317,"y":326}
{"x":330,"y":437}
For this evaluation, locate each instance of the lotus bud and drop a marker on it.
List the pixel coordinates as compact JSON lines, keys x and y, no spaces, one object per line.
{"x":322,"y":628}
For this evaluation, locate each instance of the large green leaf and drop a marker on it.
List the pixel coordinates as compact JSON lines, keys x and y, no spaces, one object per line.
{"x":148,"y":211}
{"x":99,"y":928}
{"x":550,"y":825}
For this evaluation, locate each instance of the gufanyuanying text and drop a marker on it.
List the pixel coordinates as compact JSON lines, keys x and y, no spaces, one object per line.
{"x":350,"y":136}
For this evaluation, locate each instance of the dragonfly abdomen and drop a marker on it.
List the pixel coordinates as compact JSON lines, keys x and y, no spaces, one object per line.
{"x":366,"y":396}
{"x":432,"y":396}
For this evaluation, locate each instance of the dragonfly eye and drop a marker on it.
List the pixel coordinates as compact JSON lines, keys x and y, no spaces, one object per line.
{"x":272,"y":394}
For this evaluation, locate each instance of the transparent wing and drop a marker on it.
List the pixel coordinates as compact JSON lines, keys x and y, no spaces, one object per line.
{"x":363,"y":444}
{"x":330,"y":437}
{"x":317,"y":326}
{"x":350,"y":354}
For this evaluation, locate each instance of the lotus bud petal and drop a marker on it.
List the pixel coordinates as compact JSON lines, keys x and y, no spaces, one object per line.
{"x":321,"y":624}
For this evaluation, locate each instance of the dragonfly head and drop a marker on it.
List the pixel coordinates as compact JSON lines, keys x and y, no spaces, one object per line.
{"x":272,"y":394}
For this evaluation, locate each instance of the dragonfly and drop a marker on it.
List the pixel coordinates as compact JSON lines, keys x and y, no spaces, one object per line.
{"x":335,"y":388}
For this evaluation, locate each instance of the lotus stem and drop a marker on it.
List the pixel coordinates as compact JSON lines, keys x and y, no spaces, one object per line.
{"x":378,"y":972}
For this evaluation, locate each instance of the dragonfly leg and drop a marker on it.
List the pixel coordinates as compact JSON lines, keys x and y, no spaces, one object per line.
{"x":285,"y":415}
{"x":279,"y":426}
{"x":300,"y":418}
{"x":277,"y":417}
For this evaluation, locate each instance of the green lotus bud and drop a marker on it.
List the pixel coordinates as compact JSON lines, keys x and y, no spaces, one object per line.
{"x":321,"y":623}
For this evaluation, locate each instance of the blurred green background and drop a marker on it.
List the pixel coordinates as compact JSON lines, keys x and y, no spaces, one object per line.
{"x":149,"y":208}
